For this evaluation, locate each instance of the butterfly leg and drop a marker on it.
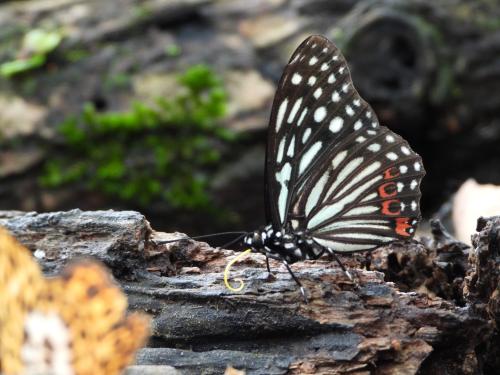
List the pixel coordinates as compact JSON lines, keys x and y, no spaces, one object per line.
{"x":347,"y":273}
{"x":267,"y":266}
{"x":302,"y":290}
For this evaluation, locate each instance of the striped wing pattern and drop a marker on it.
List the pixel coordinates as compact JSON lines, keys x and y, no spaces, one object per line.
{"x":331,"y":169}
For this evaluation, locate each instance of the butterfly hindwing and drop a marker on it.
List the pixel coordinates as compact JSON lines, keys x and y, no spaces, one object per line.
{"x":331,"y":169}
{"x":370,"y":195}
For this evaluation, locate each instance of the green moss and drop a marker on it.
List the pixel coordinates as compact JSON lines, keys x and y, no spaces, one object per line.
{"x":117,"y":81}
{"x":148,"y":153}
{"x":75,"y":55}
{"x":173,"y":50}
{"x":35,"y":47}
{"x":142,"y":11}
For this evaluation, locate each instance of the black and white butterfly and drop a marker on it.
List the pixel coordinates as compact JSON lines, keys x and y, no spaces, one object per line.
{"x":336,"y":181}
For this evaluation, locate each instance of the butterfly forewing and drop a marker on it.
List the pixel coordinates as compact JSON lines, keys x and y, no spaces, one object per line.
{"x":331,"y":169}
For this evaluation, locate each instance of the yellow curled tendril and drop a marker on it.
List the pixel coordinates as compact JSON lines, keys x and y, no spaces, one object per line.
{"x":227,"y":270}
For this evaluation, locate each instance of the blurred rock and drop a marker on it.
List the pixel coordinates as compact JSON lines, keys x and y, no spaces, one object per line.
{"x":18,"y":117}
{"x":242,"y":8}
{"x":249,"y":94}
{"x":472,"y":201}
{"x":16,"y":162}
{"x":150,"y":86}
{"x":429,"y":70}
{"x":266,"y":31}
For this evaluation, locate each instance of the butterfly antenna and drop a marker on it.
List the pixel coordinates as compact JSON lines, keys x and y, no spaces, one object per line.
{"x":232,"y":242}
{"x":241,"y":233}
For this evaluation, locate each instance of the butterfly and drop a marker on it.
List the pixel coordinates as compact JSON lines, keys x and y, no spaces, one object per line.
{"x":336,"y":181}
{"x":72,"y":324}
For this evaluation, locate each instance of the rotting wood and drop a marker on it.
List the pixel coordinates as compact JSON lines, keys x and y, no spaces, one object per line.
{"x":368,"y":327}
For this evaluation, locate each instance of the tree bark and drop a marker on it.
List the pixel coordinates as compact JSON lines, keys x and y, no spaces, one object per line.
{"x":430,"y":308}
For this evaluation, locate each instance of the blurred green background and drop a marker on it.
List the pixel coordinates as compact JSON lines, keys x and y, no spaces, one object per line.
{"x":162,"y":106}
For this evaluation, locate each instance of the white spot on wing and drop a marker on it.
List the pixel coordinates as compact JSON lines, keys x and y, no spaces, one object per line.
{"x":281,"y":114}
{"x":413,"y":184}
{"x":282,"y":177}
{"x":358,"y":125}
{"x":302,"y":115}
{"x":416,"y":166}
{"x":374,"y":147}
{"x":336,"y":124}
{"x":313,"y":60}
{"x":320,"y":114}
{"x":311,"y":81}
{"x":318,"y":92}
{"x":389,"y":138}
{"x":294,"y":110}
{"x":281,"y":148}
{"x":306,"y":135}
{"x":331,"y":78}
{"x":335,"y":97}
{"x":361,"y":210}
{"x":324,"y":67}
{"x":366,"y":236}
{"x":349,"y":110}
{"x":296,"y":78}
{"x":356,"y":102}
{"x":413,"y":205}
{"x":360,"y":139}
{"x":369,"y":197}
{"x":316,"y":191}
{"x":345,"y":87}
{"x":376,"y":224}
{"x":329,"y":211}
{"x":291,"y":148}
{"x":403,"y":169}
{"x":308,"y":156}
{"x":344,"y":173}
{"x":342,"y":246}
{"x":338,"y":159}
{"x":364,"y":173}
{"x":400,"y":186}
{"x":391,"y":156}
{"x":405,"y":150}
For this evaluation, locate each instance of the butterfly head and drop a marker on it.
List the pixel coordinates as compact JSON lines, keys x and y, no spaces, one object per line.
{"x":262,"y":239}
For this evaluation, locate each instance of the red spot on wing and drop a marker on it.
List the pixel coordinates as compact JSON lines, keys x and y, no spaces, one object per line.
{"x":386,"y":207}
{"x":402,"y":225}
{"x":389,"y":189}
{"x":391,"y":173}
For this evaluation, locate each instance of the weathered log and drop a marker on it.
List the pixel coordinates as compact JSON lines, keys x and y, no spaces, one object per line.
{"x":364,"y":327}
{"x":116,"y":238}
